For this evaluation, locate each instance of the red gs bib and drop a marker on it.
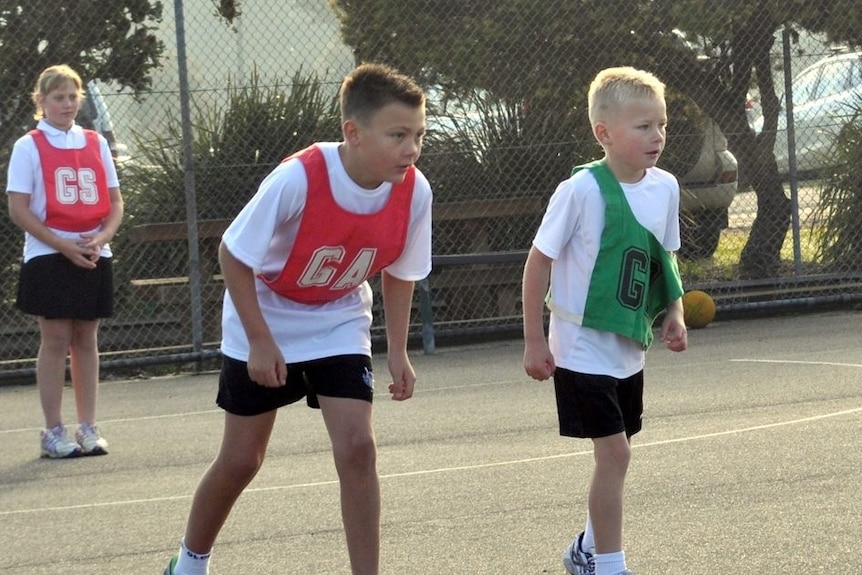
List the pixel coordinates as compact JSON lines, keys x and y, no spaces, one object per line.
{"x":76,"y":186}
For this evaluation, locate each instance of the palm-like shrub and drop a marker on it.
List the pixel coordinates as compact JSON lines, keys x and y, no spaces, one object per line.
{"x":839,"y":211}
{"x":235,"y":144}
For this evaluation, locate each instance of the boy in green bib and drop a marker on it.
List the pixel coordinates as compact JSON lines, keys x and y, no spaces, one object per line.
{"x":605,"y":249}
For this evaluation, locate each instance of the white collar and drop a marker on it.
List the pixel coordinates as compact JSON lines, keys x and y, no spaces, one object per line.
{"x":53,"y":131}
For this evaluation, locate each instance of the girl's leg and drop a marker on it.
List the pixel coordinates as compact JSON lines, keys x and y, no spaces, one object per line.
{"x":84,"y":367}
{"x":239,"y":458}
{"x":55,"y":338}
{"x":612,"y":455}
{"x":348,"y":422}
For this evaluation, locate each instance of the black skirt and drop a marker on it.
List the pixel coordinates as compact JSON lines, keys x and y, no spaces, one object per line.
{"x":52,"y":287}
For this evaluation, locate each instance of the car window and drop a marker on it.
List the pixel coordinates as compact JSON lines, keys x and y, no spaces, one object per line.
{"x":835,"y":78}
{"x":804,"y":86}
{"x":855,"y":73}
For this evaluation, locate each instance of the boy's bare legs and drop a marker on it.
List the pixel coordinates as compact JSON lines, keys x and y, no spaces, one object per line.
{"x":348,"y":422}
{"x":55,"y":338}
{"x":84,"y":367}
{"x":239,"y":458}
{"x":612,"y":455}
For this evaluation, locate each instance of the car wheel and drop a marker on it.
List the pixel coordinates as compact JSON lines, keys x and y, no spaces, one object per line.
{"x":699,"y":233}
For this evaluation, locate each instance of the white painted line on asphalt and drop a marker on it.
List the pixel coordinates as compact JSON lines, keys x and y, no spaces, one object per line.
{"x":124,"y":420}
{"x":447,"y":469}
{"x":211,"y":411}
{"x":420,"y":389}
{"x":797,"y":362}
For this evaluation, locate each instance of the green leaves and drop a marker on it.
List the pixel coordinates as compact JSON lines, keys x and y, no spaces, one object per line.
{"x":108,"y":40}
{"x":839,"y":211}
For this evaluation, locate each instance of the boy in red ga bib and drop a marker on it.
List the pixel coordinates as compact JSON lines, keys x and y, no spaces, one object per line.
{"x":297,"y":313}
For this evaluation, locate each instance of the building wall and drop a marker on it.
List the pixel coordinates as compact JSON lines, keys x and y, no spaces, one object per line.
{"x":274,"y":38}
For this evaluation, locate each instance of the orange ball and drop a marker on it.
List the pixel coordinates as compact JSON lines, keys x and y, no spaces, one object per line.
{"x":698,"y":308}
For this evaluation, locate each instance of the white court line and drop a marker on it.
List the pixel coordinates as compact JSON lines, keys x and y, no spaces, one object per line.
{"x":797,"y":362}
{"x":125,"y":419}
{"x":448,"y":469}
{"x":210,"y":411}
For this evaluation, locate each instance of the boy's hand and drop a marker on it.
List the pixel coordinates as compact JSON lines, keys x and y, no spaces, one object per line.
{"x":266,"y":365}
{"x":403,"y":378}
{"x":538,"y":361}
{"x":673,"y":331}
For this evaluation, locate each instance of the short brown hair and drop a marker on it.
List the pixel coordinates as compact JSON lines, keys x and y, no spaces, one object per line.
{"x":370,"y":87}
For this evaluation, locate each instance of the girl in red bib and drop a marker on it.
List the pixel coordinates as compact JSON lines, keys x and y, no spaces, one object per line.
{"x":63,"y":191}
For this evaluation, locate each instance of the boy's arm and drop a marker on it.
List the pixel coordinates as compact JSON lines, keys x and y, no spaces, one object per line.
{"x":538,"y":361}
{"x":673,"y":330}
{"x":265,"y":361}
{"x":397,"y":303}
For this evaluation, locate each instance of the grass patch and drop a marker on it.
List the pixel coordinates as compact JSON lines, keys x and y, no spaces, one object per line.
{"x":723,"y":265}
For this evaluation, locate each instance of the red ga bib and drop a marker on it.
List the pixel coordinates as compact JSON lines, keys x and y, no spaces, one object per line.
{"x":336,"y":250}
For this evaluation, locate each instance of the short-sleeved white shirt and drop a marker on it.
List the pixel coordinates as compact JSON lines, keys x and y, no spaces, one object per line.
{"x":262,"y":235}
{"x":25,"y":177}
{"x":570,"y":234}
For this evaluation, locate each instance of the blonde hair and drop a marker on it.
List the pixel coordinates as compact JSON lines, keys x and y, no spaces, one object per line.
{"x":52,"y":78}
{"x":615,"y":86}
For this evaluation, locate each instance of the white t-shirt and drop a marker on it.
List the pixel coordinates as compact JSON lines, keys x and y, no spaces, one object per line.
{"x":262,"y":235}
{"x":570,"y":234}
{"x":25,"y":177}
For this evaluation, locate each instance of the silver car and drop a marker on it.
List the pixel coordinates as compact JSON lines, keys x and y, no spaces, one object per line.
{"x":706,"y":192}
{"x":94,"y":115}
{"x":826,"y":96}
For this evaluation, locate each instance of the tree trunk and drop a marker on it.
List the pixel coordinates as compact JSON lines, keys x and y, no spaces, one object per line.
{"x":761,"y":256}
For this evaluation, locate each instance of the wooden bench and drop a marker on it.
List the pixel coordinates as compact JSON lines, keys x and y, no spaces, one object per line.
{"x":478,"y":269}
{"x":478,"y":214}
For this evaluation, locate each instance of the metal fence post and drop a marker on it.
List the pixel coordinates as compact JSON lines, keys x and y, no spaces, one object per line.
{"x":427,"y":314}
{"x":191,"y":204}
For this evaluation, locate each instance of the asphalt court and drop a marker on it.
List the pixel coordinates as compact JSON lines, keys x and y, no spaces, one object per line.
{"x":750,"y":461}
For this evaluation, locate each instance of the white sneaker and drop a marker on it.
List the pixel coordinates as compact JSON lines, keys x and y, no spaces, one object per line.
{"x":576,"y":561}
{"x":91,"y":440}
{"x":57,"y":445}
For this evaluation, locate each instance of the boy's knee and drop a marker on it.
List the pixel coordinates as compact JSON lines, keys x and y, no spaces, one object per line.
{"x":356,"y":454}
{"x":614,"y":451}
{"x":242,"y":466}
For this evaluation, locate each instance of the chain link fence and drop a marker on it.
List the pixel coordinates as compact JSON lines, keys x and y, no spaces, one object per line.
{"x":226,"y":89}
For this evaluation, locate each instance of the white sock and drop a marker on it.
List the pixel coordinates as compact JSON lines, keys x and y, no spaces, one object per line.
{"x":191,"y":563}
{"x":610,"y":563}
{"x":588,"y":544}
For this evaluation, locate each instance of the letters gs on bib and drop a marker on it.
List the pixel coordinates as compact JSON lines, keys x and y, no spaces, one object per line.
{"x":73,"y":186}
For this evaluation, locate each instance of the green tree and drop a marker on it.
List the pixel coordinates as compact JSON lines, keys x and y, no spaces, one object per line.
{"x":108,"y":40}
{"x":712,"y":51}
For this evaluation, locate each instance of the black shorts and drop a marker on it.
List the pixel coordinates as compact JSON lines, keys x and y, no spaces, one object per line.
{"x":592,"y":406}
{"x":52,"y":287}
{"x":348,"y":376}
